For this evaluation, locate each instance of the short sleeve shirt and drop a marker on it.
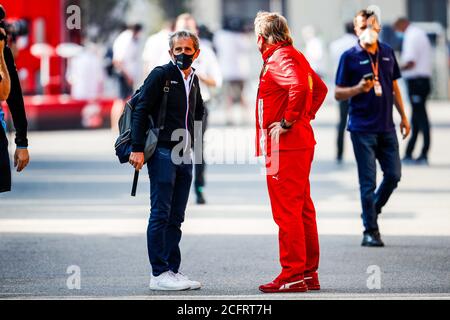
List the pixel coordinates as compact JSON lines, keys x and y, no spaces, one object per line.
{"x":368,"y":112}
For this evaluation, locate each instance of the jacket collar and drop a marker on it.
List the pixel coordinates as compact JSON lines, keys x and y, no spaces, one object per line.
{"x":269,"y":52}
{"x":178,"y":72}
{"x":359,"y":47}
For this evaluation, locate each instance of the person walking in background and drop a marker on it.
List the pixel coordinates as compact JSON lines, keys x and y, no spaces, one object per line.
{"x":233,"y":48}
{"x":290,"y":93}
{"x":128,"y":66}
{"x":314,"y":50}
{"x":417,"y":70}
{"x":337,"y":48}
{"x":207,"y":69}
{"x":85,"y":73}
{"x":11,"y":91}
{"x":156,"y":47}
{"x":367,"y":75}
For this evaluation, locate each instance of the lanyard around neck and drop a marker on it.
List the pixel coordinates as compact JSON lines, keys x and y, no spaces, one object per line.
{"x":375,"y":65}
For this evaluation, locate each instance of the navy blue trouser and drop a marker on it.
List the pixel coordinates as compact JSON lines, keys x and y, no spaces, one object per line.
{"x":368,"y":148}
{"x":169,"y":193}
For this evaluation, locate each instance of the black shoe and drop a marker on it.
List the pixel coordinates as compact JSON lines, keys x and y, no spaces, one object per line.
{"x":408,"y":160}
{"x":422,"y":161}
{"x":372,"y":239}
{"x":200,"y":198}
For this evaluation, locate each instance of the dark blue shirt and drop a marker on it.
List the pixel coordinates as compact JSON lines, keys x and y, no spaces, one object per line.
{"x":368,"y":112}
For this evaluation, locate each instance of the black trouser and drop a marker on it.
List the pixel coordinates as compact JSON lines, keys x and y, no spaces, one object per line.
{"x":125,"y":90}
{"x":419,"y":90}
{"x":5,"y":167}
{"x":199,"y":181}
{"x":343,"y":115}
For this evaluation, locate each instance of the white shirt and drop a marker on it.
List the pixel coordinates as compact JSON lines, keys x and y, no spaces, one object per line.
{"x":188,"y":83}
{"x":233,"y":52}
{"x":85,"y":74}
{"x":314,"y":53}
{"x":156,"y":51}
{"x":126,"y":50}
{"x":207,"y":65}
{"x":417,"y":49}
{"x":339,"y":46}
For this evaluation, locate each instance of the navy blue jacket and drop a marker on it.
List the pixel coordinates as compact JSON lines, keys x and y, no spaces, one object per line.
{"x":368,"y":112}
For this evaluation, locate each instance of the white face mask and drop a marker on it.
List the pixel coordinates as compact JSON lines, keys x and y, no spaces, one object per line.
{"x":369,"y":36}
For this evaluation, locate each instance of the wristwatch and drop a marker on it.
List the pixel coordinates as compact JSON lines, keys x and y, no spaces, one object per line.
{"x":284,"y":125}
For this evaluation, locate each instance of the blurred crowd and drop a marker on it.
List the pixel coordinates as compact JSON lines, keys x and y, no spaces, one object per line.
{"x":228,"y":67}
{"x":117,"y":70}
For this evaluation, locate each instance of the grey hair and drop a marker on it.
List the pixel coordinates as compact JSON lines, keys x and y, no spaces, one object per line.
{"x":184,"y":34}
{"x":273,"y":27}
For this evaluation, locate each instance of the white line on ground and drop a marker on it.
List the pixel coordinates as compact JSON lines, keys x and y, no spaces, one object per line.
{"x":307,"y":296}
{"x":216,"y":226}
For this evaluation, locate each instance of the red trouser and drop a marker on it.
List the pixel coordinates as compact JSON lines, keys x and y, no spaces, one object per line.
{"x":294,"y":213}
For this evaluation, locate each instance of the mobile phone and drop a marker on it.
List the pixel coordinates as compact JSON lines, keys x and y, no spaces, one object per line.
{"x":368,"y":76}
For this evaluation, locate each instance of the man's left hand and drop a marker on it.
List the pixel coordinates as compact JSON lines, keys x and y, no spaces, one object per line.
{"x":276,"y":131}
{"x":405,"y":128}
{"x":21,"y":159}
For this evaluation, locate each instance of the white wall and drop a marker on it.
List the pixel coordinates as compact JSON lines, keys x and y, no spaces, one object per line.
{"x":208,"y":12}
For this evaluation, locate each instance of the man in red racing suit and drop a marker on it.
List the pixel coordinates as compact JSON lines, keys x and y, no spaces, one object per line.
{"x":290,"y":93}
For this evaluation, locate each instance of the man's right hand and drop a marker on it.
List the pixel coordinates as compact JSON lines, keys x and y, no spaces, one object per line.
{"x":137,"y":160}
{"x":365,"y":86}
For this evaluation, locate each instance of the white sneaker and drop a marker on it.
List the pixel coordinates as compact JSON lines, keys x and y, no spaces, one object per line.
{"x":193,"y":285}
{"x":168,"y":282}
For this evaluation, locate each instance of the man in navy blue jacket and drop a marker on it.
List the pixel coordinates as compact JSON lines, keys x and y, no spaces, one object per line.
{"x":367,"y":75}
{"x":170,"y":168}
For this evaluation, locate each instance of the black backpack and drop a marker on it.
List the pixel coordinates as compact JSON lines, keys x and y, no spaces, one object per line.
{"x":123,"y":145}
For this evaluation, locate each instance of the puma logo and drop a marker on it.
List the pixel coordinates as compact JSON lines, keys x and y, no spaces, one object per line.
{"x":289,"y":285}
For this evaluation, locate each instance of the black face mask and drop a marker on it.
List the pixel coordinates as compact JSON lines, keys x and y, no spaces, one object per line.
{"x":184,"y":61}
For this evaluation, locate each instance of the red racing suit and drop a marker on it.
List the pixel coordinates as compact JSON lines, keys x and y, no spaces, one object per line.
{"x":290,"y":89}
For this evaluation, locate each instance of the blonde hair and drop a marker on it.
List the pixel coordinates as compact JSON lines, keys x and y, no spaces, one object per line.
{"x":273,"y":27}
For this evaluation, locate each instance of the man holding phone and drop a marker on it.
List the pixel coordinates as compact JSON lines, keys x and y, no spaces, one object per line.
{"x":367,"y":75}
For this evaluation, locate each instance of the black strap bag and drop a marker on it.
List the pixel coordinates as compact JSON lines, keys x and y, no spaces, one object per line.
{"x":123,"y":145}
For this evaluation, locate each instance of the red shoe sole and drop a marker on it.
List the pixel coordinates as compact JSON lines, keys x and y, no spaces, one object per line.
{"x":317,"y":288}
{"x":298,"y":290}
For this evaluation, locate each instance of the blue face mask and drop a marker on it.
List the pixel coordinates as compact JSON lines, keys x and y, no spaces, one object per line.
{"x":400,"y":35}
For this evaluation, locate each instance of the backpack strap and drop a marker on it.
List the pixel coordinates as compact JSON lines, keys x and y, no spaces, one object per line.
{"x":163,"y":106}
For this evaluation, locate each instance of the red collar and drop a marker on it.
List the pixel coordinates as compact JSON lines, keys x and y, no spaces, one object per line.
{"x":269,"y":52}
